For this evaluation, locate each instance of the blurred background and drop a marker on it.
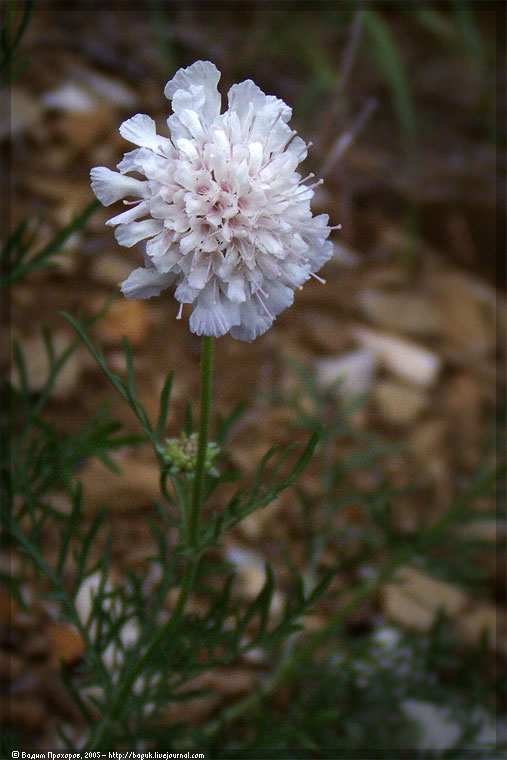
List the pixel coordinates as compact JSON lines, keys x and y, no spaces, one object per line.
{"x":404,"y":105}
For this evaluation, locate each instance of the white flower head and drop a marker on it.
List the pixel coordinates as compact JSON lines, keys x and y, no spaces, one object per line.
{"x":224,"y":213}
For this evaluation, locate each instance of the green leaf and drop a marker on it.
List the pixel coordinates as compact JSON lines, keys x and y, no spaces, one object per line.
{"x":260,"y":605}
{"x":53,"y":248}
{"x":225,"y":425}
{"x":81,"y":570}
{"x":390,"y":62}
{"x":164,"y":405}
{"x":131,"y":380}
{"x":8,"y":48}
{"x":189,"y":425}
{"x":69,"y":529}
{"x":125,"y":390}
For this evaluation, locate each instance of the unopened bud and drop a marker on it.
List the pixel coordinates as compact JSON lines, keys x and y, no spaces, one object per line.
{"x":181,"y":454}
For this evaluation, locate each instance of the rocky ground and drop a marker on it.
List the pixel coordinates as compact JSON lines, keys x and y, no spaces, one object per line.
{"x":413,"y":319}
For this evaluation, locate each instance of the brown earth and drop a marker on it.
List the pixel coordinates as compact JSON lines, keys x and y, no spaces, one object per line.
{"x":412,"y":319}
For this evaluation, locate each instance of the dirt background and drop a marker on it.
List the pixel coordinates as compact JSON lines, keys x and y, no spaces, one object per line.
{"x":411,"y":311}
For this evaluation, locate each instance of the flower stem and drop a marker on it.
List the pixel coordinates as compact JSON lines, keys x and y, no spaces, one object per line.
{"x":116,"y":708}
{"x":197,"y":489}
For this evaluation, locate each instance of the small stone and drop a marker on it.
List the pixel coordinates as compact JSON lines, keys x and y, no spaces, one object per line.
{"x":313,"y":622}
{"x":226,"y":681}
{"x":112,"y":91}
{"x":126,"y":317}
{"x":434,"y":593}
{"x":464,"y":396}
{"x":85,"y":595}
{"x":110,"y":269}
{"x":251,"y":572}
{"x":80,"y":130}
{"x":65,"y":643}
{"x":405,"y":359}
{"x":352,"y":372}
{"x":193,"y":711}
{"x":322,"y":332}
{"x":483,"y":530}
{"x":253,"y":526}
{"x":60,"y":501}
{"x":255,"y":656}
{"x":465,"y":319}
{"x":438,"y":731}
{"x":73,"y":197}
{"x":408,"y":312}
{"x":414,"y":599}
{"x":472,"y":625}
{"x":37,"y":364}
{"x":251,"y":575}
{"x":133,"y":489}
{"x":406,"y":611}
{"x":427,"y":438}
{"x":70,"y":97}
{"x":25,"y":111}
{"x":399,"y":404}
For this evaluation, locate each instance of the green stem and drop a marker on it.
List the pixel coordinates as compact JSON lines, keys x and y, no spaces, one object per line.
{"x":117,"y":706}
{"x":197,"y":489}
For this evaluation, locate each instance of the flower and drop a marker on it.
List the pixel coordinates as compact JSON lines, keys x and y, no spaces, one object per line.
{"x":224,"y":214}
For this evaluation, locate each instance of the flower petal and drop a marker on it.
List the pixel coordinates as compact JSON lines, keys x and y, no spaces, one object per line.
{"x":158,"y":245}
{"x":187,"y":147}
{"x":213,"y":315}
{"x":191,"y":121}
{"x":133,"y":213}
{"x":144,"y":161}
{"x":279,"y":296}
{"x":145,"y":283}
{"x":130,"y":234}
{"x":141,"y":130}
{"x":201,"y":74}
{"x":169,"y":259}
{"x":198,"y":275}
{"x":110,"y":186}
{"x":236,"y":289}
{"x":256,"y":156}
{"x":295,"y":273}
{"x":240,"y":96}
{"x":254,"y":322}
{"x":184,"y":293}
{"x":189,"y":100}
{"x":318,"y":257}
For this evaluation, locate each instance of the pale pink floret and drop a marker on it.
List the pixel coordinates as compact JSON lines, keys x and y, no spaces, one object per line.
{"x":225,"y":215}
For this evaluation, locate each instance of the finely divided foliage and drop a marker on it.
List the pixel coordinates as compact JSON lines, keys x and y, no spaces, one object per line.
{"x":224,"y":214}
